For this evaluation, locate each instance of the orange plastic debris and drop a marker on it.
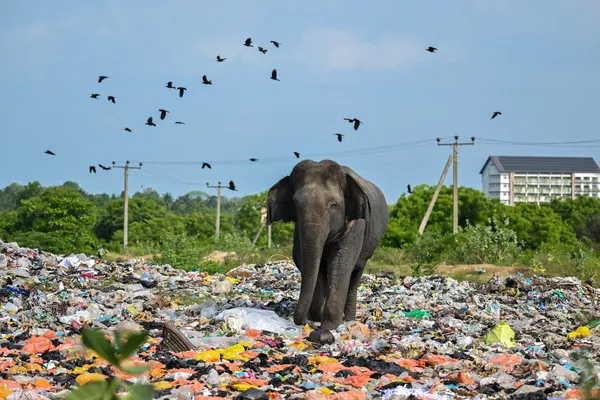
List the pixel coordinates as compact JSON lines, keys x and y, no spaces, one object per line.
{"x":253,"y":333}
{"x":580,"y":394}
{"x":255,"y":382}
{"x":352,"y":394}
{"x":37,"y":345}
{"x":332,"y":368}
{"x":436,"y":359}
{"x":42,"y":384}
{"x":12,"y":385}
{"x":506,"y":360}
{"x":49,"y":334}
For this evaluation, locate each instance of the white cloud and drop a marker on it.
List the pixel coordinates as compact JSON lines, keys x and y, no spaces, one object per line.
{"x":335,"y":49}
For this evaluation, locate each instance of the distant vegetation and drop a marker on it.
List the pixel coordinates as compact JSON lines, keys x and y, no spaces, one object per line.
{"x":560,"y":237}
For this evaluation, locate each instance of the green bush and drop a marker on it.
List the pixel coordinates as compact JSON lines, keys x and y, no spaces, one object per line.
{"x":494,"y":243}
{"x":180,"y":251}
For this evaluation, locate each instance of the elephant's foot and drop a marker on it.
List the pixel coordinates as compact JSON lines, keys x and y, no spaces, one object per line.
{"x":350,"y":316}
{"x":321,"y":336}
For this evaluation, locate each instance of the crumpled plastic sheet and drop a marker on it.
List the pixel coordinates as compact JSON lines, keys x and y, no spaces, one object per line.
{"x":424,"y":337}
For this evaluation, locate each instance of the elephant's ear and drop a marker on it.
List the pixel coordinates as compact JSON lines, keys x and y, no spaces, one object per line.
{"x":356,"y":198}
{"x":280,"y":204}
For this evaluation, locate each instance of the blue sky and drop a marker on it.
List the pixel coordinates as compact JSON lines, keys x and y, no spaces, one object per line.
{"x":536,"y":61}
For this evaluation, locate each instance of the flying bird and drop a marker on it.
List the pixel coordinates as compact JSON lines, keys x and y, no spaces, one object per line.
{"x":248,"y":42}
{"x":297,"y":154}
{"x":409,"y":189}
{"x":339,"y":135}
{"x":104,"y":168}
{"x":150,"y":122}
{"x":128,"y":129}
{"x":431,"y":49}
{"x":219,"y":59}
{"x":496,"y":113}
{"x":92,"y":169}
{"x":264,"y":51}
{"x":253,"y":159}
{"x":111,"y":98}
{"x":205,"y":80}
{"x":274,"y":75}
{"x":181,"y":90}
{"x":49,"y":152}
{"x":205,"y":164}
{"x":163,"y":113}
{"x":232,"y":186}
{"x":276,"y":44}
{"x":180,"y":123}
{"x":170,"y":85}
{"x":356,"y":121}
{"x":95,"y":95}
{"x":101,"y":78}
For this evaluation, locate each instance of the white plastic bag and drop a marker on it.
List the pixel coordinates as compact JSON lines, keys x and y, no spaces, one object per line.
{"x":242,"y":318}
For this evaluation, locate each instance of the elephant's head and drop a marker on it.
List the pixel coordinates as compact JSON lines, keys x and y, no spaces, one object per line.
{"x":323,"y":199}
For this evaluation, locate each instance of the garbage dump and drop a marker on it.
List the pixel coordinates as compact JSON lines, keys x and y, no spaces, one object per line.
{"x":232,"y":336}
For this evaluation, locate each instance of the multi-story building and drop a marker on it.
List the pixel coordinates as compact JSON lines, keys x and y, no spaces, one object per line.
{"x":515,"y":179}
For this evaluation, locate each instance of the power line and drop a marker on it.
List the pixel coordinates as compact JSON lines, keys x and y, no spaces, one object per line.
{"x":345,"y":153}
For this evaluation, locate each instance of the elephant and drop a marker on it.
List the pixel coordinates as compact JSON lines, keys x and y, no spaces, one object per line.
{"x":339,"y":219}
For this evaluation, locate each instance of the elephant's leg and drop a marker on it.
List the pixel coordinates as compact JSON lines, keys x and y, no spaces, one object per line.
{"x":341,"y":264}
{"x":350,"y":306}
{"x":296,"y":250}
{"x":315,"y":312}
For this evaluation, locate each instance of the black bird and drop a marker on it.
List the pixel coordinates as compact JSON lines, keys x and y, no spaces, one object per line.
{"x":180,"y":123}
{"x":496,"y":113}
{"x":101,"y":78}
{"x":248,"y":42}
{"x":356,"y":121}
{"x":219,"y":59}
{"x":431,"y":49}
{"x":409,"y":189}
{"x":232,"y":186}
{"x":127,"y":129}
{"x":339,"y":135}
{"x":181,"y":90}
{"x":205,"y":80}
{"x":205,"y":164}
{"x":264,"y":51}
{"x":150,"y":122}
{"x":95,"y":95}
{"x":438,"y":139}
{"x":92,"y":169}
{"x":111,"y":98}
{"x":163,"y":113}
{"x":276,"y":44}
{"x":297,"y":154}
{"x":104,"y":168}
{"x":49,"y":152}
{"x":274,"y":75}
{"x":254,"y":159}
{"x":170,"y":85}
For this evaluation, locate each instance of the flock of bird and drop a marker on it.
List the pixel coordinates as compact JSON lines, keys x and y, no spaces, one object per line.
{"x":181,"y":90}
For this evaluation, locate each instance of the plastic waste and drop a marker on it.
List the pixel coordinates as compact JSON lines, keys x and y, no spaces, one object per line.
{"x":241,"y":318}
{"x":502,"y":333}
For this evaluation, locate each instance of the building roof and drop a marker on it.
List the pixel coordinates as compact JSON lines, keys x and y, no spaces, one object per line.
{"x":543,"y":164}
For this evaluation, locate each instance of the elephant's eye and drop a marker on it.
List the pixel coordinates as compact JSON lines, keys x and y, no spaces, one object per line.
{"x":333,"y":205}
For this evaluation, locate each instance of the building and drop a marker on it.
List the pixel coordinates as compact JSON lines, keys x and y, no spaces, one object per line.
{"x":539,"y":179}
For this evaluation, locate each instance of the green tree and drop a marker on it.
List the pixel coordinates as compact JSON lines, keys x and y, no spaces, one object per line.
{"x":63,"y":215}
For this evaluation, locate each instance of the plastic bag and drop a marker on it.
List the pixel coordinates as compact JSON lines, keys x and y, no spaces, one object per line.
{"x":502,"y":333}
{"x":265,"y":320}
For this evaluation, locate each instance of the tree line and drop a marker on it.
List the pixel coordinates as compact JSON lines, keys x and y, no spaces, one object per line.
{"x":64,"y":219}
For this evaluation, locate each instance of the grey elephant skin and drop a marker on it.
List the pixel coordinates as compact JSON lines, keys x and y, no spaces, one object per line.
{"x":340,"y":218}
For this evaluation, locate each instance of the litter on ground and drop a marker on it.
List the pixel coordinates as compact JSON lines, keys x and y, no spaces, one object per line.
{"x":232,"y":336}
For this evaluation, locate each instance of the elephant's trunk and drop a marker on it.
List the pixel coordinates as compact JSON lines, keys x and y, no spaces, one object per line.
{"x":312,"y":239}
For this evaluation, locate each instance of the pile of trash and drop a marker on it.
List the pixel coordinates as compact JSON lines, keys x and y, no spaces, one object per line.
{"x":232,"y":336}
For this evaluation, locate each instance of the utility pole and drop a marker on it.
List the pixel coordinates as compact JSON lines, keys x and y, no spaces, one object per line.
{"x":455,"y":145}
{"x":435,"y":196}
{"x":126,"y":169}
{"x":218,"y":223}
